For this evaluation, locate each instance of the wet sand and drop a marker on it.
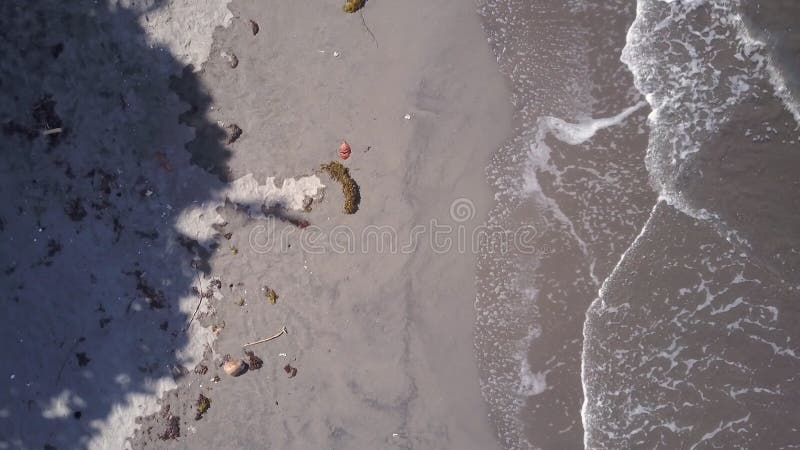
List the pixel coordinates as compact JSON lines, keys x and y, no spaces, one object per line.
{"x":586,"y":199}
{"x":98,"y":263}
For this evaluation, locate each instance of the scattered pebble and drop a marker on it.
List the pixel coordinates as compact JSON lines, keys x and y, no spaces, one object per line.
{"x":291,"y":371}
{"x":254,"y":27}
{"x":407,"y":117}
{"x":255,"y":362}
{"x":336,"y":54}
{"x":234,"y":132}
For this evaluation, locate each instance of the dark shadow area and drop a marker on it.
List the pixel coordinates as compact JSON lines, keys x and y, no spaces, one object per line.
{"x":93,"y":176}
{"x":205,"y":147}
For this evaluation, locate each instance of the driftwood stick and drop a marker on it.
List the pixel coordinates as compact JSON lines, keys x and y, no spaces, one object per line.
{"x":364,"y":22}
{"x":261,"y":341}
{"x":199,"y":302}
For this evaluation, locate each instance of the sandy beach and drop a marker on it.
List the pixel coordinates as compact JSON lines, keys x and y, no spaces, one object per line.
{"x":413,"y":225}
{"x":140,"y":235}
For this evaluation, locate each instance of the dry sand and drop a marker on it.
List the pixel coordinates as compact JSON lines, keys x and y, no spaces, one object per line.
{"x":99,"y":261}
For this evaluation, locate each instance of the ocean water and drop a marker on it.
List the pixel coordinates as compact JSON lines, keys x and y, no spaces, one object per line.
{"x":656,"y":152}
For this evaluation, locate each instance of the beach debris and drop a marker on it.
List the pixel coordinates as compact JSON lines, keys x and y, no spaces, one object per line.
{"x":352,"y":195}
{"x":407,"y":116}
{"x":228,"y":236}
{"x":291,"y":371}
{"x":217,"y":328}
{"x":270,"y":294}
{"x":83,"y":360}
{"x":203,"y":403}
{"x":52,"y":131}
{"x":173,"y":430}
{"x":261,"y":341}
{"x":351,"y":6}
{"x":154,"y":298}
{"x":366,"y":28}
{"x":336,"y":54}
{"x":233,"y":367}
{"x":307,"y":201}
{"x":254,"y":27}
{"x":75,"y":210}
{"x":254,"y":361}
{"x":215,"y":379}
{"x":233,"y":132}
{"x":344,"y":150}
{"x":162,"y":161}
{"x":44,"y":112}
{"x":201,"y":369}
{"x":234,"y":250}
{"x":240,"y":301}
{"x":231,"y":58}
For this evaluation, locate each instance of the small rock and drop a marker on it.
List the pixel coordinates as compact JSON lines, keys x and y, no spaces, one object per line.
{"x":234,"y":132}
{"x":233,"y":61}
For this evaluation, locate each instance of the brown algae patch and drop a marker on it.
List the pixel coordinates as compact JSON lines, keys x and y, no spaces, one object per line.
{"x":352,"y":194}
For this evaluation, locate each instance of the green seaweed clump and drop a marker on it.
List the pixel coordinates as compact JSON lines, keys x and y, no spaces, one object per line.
{"x":352,"y":195}
{"x":351,"y":6}
{"x":203,"y":403}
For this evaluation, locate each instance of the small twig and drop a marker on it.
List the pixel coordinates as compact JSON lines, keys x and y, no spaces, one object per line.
{"x":261,"y":341}
{"x":52,"y":131}
{"x":66,"y":358}
{"x":200,"y":295}
{"x":366,"y":27}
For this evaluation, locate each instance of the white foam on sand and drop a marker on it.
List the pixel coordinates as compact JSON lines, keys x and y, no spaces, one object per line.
{"x":184,"y":27}
{"x":196,"y":222}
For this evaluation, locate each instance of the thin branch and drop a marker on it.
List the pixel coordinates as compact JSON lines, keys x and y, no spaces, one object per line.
{"x":200,"y":302}
{"x":261,"y":341}
{"x":366,"y":27}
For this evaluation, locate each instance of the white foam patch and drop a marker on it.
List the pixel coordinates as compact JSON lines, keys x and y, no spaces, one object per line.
{"x":196,"y":222}
{"x":531,"y":383}
{"x":578,"y":133}
{"x":184,"y":27}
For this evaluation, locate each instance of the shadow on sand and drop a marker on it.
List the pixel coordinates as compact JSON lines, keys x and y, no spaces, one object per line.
{"x":91,"y":264}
